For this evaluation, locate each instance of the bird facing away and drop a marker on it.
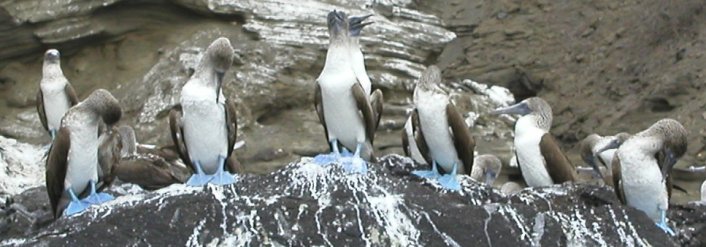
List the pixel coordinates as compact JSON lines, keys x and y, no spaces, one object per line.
{"x":204,"y":124}
{"x":540,"y":159}
{"x":348,"y":111}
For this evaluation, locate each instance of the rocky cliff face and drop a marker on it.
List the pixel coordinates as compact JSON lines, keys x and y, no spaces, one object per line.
{"x":147,"y":56}
{"x":306,"y":204}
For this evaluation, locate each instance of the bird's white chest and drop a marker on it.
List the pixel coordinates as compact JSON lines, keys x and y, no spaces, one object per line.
{"x":435,"y":126}
{"x":529,"y":156}
{"x":343,"y":120}
{"x":641,"y":177}
{"x":56,"y":102}
{"x":205,"y":131}
{"x":82,"y":160}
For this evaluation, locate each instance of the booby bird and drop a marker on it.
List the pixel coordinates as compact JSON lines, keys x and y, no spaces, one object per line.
{"x":150,"y":168}
{"x":601,"y":148}
{"x":442,"y":135}
{"x":486,"y":168}
{"x":55,"y":95}
{"x":642,"y":167}
{"x":73,"y":161}
{"x":510,"y":188}
{"x":204,"y":125}
{"x":349,"y":113}
{"x":540,"y":159}
{"x":409,"y":142}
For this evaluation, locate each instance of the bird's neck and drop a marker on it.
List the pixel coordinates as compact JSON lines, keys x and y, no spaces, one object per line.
{"x":52,"y":70}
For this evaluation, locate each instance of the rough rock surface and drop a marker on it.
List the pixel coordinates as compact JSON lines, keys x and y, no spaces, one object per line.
{"x":145,"y":59}
{"x":306,"y":204}
{"x":604,"y":66}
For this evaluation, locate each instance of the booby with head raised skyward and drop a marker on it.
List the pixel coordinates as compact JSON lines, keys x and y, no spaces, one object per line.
{"x":642,"y":167}
{"x":442,"y":135}
{"x":349,"y":114}
{"x":73,"y":161}
{"x":55,"y":95}
{"x":540,"y":159}
{"x":204,"y":125}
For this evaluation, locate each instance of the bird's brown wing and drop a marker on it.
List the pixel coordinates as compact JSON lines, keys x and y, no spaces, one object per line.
{"x":40,"y":110}
{"x":71,"y":93}
{"x":419,"y":137}
{"x":617,"y":177}
{"x":319,"y":106}
{"x":558,"y":165}
{"x":177,"y":130}
{"x":369,"y":118}
{"x":376,"y":102}
{"x":463,"y":140}
{"x":56,"y":170}
{"x":232,"y":126}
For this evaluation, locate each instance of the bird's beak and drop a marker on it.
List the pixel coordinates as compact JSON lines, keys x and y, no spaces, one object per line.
{"x":615,"y":143}
{"x":669,"y":161}
{"x":521,"y":108}
{"x":592,"y":162}
{"x":356,"y":24}
{"x":219,"y":81}
{"x":490,"y":178}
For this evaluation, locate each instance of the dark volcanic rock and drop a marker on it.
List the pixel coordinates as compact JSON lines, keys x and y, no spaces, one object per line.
{"x":304,"y":204}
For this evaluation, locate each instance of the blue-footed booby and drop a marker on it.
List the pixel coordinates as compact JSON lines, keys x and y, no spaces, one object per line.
{"x":642,"y":167}
{"x":540,"y":159}
{"x":486,"y":168}
{"x":441,"y":133}
{"x":148,"y":166}
{"x":601,"y":148}
{"x":349,"y":113}
{"x":55,"y":95}
{"x":204,"y":124}
{"x":73,"y":161}
{"x":409,"y":142}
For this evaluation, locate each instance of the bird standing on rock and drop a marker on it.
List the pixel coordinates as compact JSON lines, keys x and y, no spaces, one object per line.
{"x":204,"y":126}
{"x":73,"y":161}
{"x":642,"y":167}
{"x":540,"y":159}
{"x":55,"y":95}
{"x":347,"y":110}
{"x":442,"y":135}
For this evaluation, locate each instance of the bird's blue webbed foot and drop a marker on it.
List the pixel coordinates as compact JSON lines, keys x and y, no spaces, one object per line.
{"x":345,"y":153}
{"x":199,"y":178}
{"x":75,"y":205}
{"x":354,"y":163}
{"x":94,"y":197}
{"x":431,"y":174}
{"x":326,"y":159}
{"x":222,"y":177}
{"x":449,"y":181}
{"x":662,"y":224}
